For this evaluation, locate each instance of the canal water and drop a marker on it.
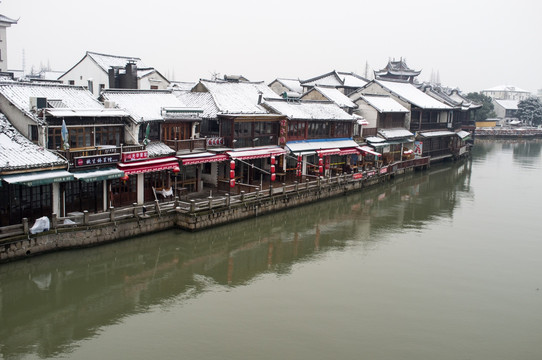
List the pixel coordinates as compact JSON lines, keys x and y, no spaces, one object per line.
{"x":440,"y":264}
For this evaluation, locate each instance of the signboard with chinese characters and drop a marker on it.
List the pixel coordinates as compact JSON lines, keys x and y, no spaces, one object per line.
{"x":96,"y":160}
{"x":135,"y":155}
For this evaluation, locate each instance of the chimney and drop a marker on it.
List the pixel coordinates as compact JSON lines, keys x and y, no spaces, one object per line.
{"x":260,"y":94}
{"x":131,"y":75}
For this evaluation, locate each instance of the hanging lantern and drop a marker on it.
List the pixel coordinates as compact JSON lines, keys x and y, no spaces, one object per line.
{"x":299,"y":173}
{"x":273,"y":177}
{"x":273,"y":160}
{"x":232,"y":174}
{"x":320,"y":162}
{"x":272,"y":168}
{"x":125,"y":177}
{"x":176,"y":169}
{"x":232,"y":165}
{"x":299,"y":158}
{"x":232,"y":183}
{"x":321,"y":169}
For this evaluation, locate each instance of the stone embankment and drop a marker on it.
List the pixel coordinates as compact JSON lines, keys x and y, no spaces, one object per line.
{"x":197,"y":214}
{"x":495,"y":133}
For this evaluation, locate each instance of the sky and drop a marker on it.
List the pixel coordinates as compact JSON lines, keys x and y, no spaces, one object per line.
{"x":471,"y":44}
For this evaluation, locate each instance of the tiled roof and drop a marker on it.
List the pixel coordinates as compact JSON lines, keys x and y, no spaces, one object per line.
{"x":5,"y":19}
{"x":508,"y":104}
{"x":73,"y":97}
{"x":291,"y":84}
{"x":19,"y":153}
{"x":395,"y":133}
{"x":332,"y":94}
{"x":106,"y":61}
{"x":143,"y":105}
{"x":238,"y":97}
{"x":308,"y":110}
{"x":383,"y":103}
{"x":201,"y":100}
{"x":412,"y":95}
{"x":159,"y":149}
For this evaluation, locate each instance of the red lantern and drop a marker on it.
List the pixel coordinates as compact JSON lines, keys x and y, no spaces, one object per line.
{"x":232,"y":183}
{"x":272,"y":168}
{"x":273,"y":177}
{"x":232,"y":165}
{"x":272,"y":160}
{"x":299,"y":173}
{"x":125,"y":177}
{"x":299,"y":158}
{"x":176,"y":169}
{"x":321,"y":169}
{"x":320,"y":162}
{"x":232,"y":174}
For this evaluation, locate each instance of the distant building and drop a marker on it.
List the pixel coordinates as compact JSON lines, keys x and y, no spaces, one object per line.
{"x":506,"y":110}
{"x":5,"y":22}
{"x":98,"y":72}
{"x":281,"y":86}
{"x":506,"y":92}
{"x":397,"y":70}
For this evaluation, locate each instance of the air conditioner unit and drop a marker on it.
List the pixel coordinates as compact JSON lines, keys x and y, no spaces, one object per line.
{"x":109,"y":104}
{"x":38,"y":103}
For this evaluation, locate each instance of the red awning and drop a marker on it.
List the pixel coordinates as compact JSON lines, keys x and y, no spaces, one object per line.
{"x":255,"y":153}
{"x":367,"y":150}
{"x":327,"y":152}
{"x":139,"y":167}
{"x":204,"y":159}
{"x":349,"y":151}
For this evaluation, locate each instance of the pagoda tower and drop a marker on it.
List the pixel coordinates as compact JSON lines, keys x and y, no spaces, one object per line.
{"x":397,"y":70}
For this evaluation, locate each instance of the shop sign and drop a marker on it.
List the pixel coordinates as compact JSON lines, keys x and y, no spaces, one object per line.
{"x":96,"y":160}
{"x":135,"y":155}
{"x":357,"y":176}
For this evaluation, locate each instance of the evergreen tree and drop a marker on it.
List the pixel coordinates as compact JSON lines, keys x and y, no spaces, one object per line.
{"x":530,"y":111}
{"x":487,"y":109}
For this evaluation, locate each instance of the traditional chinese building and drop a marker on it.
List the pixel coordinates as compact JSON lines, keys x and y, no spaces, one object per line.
{"x":397,"y":70}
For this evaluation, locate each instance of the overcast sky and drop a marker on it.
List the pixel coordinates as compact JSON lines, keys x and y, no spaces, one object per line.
{"x":472,"y":44}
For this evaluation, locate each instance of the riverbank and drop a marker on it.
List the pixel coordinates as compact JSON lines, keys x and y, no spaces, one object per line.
{"x":507,"y":133}
{"x":196,"y":214}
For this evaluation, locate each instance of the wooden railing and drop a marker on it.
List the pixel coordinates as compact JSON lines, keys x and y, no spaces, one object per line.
{"x":70,"y":155}
{"x":189,"y":144}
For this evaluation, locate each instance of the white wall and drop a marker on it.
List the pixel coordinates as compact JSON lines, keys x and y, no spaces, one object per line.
{"x":85,"y":70}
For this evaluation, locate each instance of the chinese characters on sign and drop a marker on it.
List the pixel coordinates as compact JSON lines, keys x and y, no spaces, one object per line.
{"x":96,"y":160}
{"x":135,"y":155}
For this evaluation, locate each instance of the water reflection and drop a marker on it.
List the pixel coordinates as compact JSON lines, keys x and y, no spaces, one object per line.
{"x":50,"y":302}
{"x":526,"y":153}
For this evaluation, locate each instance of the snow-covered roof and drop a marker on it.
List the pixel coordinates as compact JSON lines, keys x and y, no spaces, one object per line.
{"x":63,"y":112}
{"x":182,"y":85}
{"x":332,"y":94}
{"x":291,"y":84}
{"x":71,"y":97}
{"x":308,"y":110}
{"x":320,"y":144}
{"x":352,"y":80}
{"x":7,"y":21}
{"x":508,"y":104}
{"x":384,"y":103}
{"x":238,"y":97}
{"x":396,"y":133}
{"x":202,"y":100}
{"x":336,"y":79}
{"x":143,"y":105}
{"x":412,"y":95}
{"x":508,"y":88}
{"x":158,"y":149}
{"x":428,"y":134}
{"x":106,"y":61}
{"x":19,"y":153}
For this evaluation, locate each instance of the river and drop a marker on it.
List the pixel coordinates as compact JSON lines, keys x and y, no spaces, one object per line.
{"x":440,"y":264}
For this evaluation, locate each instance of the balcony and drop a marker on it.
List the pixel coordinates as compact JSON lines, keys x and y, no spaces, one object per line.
{"x":72,"y":154}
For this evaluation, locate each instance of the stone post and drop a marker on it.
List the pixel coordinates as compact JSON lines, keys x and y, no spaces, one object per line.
{"x":26,"y":229}
{"x":296,"y":186}
{"x":210,"y":198}
{"x":135,"y":210}
{"x":157,"y":207}
{"x":85,"y":217}
{"x":112,"y":214}
{"x":54,"y":221}
{"x":243,"y":196}
{"x":192,"y":206}
{"x":283,"y":188}
{"x":228,"y":200}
